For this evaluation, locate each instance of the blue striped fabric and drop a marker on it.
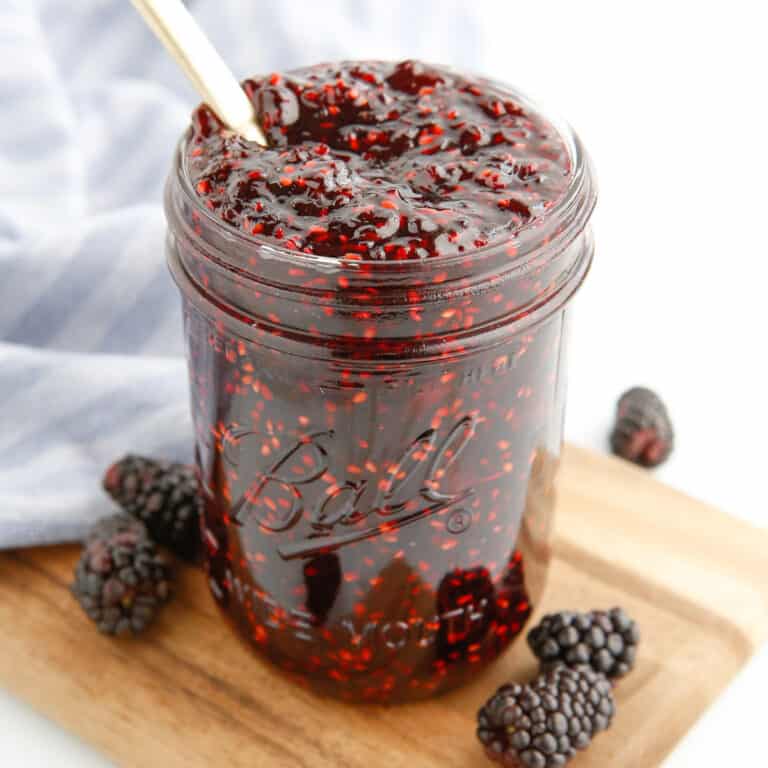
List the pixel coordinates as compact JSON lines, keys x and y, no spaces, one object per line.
{"x":91,"y":359}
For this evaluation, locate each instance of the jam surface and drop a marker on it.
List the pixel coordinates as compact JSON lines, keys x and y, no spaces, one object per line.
{"x":380,"y":161}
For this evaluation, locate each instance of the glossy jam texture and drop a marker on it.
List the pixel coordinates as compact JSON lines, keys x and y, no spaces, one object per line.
{"x":377,"y":442}
{"x":380,"y":161}
{"x":380,"y":534}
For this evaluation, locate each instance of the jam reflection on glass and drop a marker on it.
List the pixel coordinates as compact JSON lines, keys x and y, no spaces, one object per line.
{"x":377,"y":452}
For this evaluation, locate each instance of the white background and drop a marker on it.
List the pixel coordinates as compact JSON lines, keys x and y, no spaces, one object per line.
{"x":670,"y":99}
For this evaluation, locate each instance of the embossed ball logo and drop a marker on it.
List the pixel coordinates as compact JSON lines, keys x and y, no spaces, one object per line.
{"x":300,"y":483}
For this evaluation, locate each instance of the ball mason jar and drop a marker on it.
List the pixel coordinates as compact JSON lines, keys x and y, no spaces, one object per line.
{"x":377,"y":442}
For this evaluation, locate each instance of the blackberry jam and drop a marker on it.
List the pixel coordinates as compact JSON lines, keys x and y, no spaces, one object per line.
{"x":375,"y":311}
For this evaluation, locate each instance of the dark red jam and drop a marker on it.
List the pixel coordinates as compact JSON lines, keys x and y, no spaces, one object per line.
{"x":380,"y":161}
{"x":378,"y":432}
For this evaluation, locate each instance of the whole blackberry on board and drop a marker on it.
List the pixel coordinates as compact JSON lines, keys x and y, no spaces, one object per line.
{"x":604,"y":640}
{"x":120,"y":579}
{"x":643,"y":431}
{"x":162,"y":494}
{"x":544,"y":724}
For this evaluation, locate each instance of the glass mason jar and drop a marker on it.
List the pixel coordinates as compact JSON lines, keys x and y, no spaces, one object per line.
{"x":377,"y":441}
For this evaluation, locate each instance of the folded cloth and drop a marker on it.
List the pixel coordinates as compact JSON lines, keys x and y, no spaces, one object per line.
{"x":91,"y":353}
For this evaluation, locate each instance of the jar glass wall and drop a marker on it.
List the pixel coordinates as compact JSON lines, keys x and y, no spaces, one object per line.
{"x":378,"y":442}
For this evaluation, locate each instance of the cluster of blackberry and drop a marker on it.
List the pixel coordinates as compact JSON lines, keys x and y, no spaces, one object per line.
{"x":121,"y":579}
{"x":545,"y":723}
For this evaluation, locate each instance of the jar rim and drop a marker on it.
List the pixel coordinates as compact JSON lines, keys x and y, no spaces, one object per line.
{"x":564,"y":221}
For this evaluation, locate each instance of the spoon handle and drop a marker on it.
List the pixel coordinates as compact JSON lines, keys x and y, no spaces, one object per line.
{"x":193,"y":52}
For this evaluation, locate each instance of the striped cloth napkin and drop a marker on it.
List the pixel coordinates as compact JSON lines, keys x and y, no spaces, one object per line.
{"x":91,"y":353}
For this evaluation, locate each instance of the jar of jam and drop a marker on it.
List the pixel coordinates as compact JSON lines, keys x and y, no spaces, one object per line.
{"x":375,"y":315}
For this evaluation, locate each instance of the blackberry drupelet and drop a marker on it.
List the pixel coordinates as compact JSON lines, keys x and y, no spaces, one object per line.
{"x":126,"y":479}
{"x":164,"y":495}
{"x":604,"y":640}
{"x":120,"y":579}
{"x":542,"y":725}
{"x":643,"y":431}
{"x":113,"y":525}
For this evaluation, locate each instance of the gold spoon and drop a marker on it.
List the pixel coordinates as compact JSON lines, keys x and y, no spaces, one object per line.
{"x":193,"y":52}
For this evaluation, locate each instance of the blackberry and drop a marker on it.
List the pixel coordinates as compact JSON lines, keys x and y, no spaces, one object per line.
{"x":542,"y":725}
{"x":643,"y":431}
{"x":125,"y":480}
{"x":604,"y":640}
{"x":163,"y":495}
{"x":120,"y":579}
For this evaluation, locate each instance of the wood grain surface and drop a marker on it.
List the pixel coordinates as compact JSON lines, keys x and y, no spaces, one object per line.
{"x":190,"y":694}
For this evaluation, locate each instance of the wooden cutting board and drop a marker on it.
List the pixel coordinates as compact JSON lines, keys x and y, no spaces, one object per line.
{"x":189,"y":694}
